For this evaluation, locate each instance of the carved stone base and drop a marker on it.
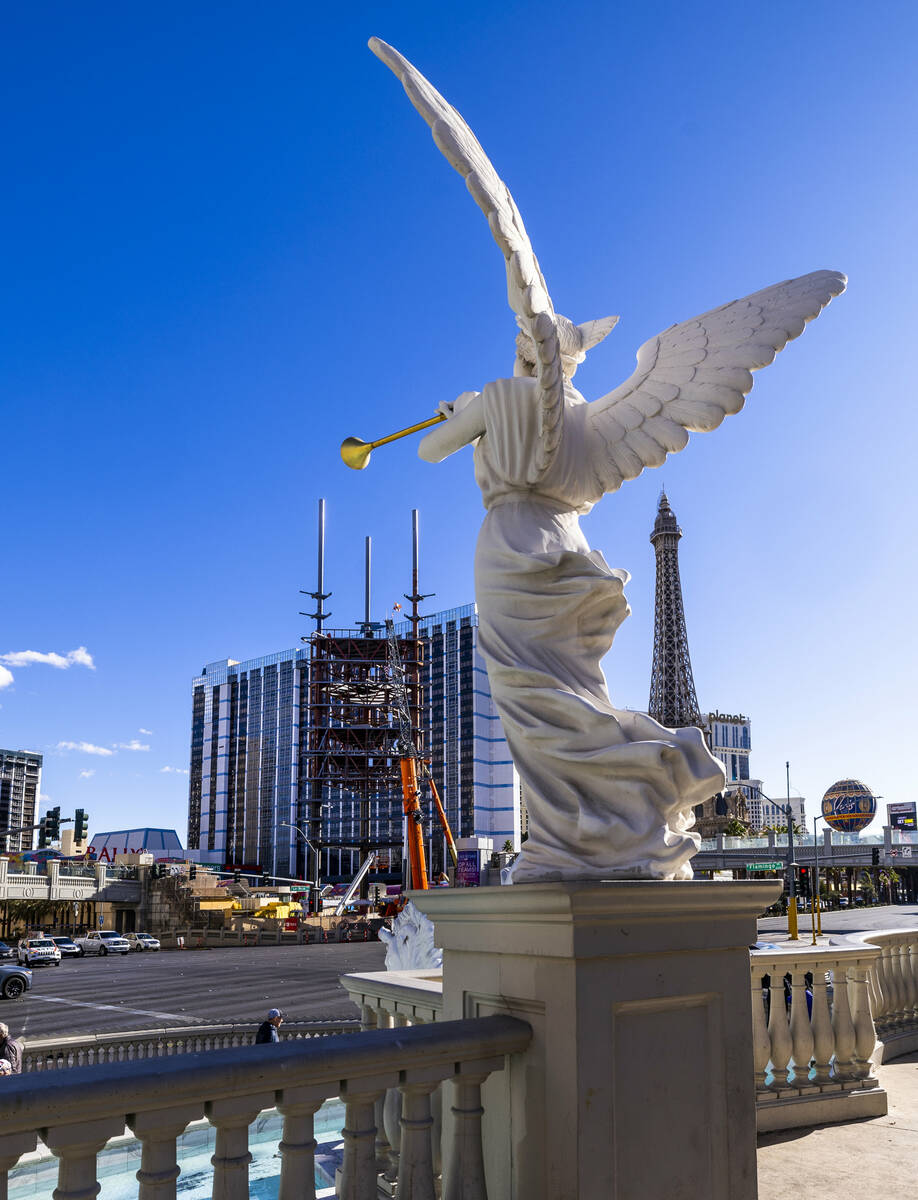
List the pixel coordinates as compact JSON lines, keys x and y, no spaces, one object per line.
{"x":639,"y":1081}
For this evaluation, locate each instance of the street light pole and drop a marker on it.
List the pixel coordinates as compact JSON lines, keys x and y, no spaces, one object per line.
{"x":290,"y":825}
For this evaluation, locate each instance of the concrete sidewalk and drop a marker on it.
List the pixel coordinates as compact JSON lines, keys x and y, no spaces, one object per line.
{"x":875,"y":1157}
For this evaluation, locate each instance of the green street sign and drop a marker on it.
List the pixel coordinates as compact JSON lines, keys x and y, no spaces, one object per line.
{"x":769,"y":866}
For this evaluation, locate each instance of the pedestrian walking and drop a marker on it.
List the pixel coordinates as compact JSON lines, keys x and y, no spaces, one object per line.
{"x":267,"y":1030}
{"x":10,"y":1050}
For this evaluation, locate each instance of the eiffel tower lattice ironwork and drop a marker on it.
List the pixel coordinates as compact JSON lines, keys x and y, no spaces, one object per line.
{"x":672,"y":689}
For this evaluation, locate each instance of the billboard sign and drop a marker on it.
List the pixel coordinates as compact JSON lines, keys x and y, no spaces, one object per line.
{"x":901,"y":816}
{"x":467,"y":869}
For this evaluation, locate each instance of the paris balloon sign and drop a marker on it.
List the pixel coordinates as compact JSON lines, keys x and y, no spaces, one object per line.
{"x":849,"y":806}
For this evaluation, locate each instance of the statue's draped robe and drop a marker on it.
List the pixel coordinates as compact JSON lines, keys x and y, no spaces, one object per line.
{"x":608,"y":793}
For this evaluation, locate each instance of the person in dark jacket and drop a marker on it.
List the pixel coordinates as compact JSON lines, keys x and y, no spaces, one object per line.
{"x":267,"y":1030}
{"x":10,"y":1050}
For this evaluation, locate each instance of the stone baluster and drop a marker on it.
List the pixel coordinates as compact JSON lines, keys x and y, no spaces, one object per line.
{"x":12,"y":1147}
{"x":823,"y":1037}
{"x":882,"y":987}
{"x":865,"y":1034}
{"x":842,"y":1026}
{"x":392,"y":1115}
{"x":157,"y":1132}
{"x":416,"y":1167}
{"x":873,"y":986}
{"x":298,"y":1107}
{"x":231,"y":1118}
{"x":386,"y":1115}
{"x":800,"y":1029}
{"x":778,"y":1030}
{"x":358,"y":1169}
{"x":909,"y":964}
{"x":907,"y":981}
{"x":76,"y":1146}
{"x":891,"y":970}
{"x":761,"y":1044}
{"x":465,"y":1179}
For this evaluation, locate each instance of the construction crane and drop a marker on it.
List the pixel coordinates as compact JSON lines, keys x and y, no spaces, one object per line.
{"x":412,"y":765}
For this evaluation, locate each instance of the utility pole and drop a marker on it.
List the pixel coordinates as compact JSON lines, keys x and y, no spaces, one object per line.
{"x":791,"y":868}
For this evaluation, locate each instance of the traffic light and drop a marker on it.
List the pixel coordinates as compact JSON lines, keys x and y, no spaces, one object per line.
{"x":193,"y":871}
{"x":53,"y":820}
{"x":805,"y":880}
{"x":80,"y":825}
{"x":43,"y":840}
{"x":237,"y":877}
{"x":875,"y":855}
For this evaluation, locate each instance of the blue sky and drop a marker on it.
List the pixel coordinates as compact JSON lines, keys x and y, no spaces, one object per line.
{"x":231,"y":242}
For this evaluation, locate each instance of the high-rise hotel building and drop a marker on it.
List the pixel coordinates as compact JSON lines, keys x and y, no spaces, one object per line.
{"x":306,"y":738}
{"x":20,"y":788}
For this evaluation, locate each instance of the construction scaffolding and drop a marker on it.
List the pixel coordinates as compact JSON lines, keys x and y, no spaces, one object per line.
{"x":350,"y":778}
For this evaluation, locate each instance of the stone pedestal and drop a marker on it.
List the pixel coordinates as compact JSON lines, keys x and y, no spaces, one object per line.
{"x":639,"y":1081}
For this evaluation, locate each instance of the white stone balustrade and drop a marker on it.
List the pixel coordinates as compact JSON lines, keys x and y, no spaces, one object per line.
{"x":892,"y":984}
{"x":811,"y":1067}
{"x":88,"y":1049}
{"x":813,"y":1058}
{"x":76,"y":1112}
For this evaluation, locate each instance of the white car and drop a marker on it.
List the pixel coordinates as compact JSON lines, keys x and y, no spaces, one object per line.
{"x":102,"y":942}
{"x":143,"y":941}
{"x":38,"y":951}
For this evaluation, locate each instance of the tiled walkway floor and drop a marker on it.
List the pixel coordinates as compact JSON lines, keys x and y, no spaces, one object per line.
{"x":876,"y":1157}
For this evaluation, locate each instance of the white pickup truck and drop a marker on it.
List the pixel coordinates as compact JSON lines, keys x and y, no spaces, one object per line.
{"x":103,"y":941}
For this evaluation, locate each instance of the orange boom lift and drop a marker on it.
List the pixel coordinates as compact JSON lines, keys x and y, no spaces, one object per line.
{"x":412,"y":765}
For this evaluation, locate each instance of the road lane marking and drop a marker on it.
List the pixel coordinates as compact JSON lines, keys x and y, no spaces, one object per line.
{"x":136,"y":1012}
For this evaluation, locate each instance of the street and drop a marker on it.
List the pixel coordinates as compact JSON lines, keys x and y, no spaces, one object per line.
{"x":171,"y":988}
{"x":165,"y":989}
{"x":849,"y":920}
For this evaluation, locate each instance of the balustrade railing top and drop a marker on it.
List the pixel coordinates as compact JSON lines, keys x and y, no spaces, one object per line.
{"x":55,"y":1053}
{"x":77,"y":1112}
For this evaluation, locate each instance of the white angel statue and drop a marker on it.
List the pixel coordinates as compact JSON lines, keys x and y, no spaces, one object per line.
{"x":609,"y":793}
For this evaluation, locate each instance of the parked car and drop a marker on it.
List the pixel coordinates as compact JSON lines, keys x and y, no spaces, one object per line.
{"x":14,"y":981}
{"x":67,"y":947}
{"x":143,"y":941}
{"x":842,"y":901}
{"x":6,"y":951}
{"x":103,"y":941}
{"x":38,"y":951}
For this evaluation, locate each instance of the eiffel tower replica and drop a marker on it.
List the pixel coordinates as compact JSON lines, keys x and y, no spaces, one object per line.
{"x":672,"y":689}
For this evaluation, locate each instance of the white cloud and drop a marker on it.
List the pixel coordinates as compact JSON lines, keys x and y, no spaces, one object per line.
{"x":88,"y":774}
{"x":27,"y":658}
{"x":146,"y":732}
{"x":85,"y":748}
{"x":133,"y":744}
{"x":172,"y":771}
{"x":6,"y":677}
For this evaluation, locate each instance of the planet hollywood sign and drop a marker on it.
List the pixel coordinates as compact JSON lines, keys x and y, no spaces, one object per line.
{"x":728,"y":718}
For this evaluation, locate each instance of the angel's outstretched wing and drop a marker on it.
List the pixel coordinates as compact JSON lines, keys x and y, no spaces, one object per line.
{"x":692,"y":375}
{"x":526,"y":288}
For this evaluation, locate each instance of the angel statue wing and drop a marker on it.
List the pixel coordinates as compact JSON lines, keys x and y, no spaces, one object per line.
{"x":526,"y":287}
{"x":691,"y":376}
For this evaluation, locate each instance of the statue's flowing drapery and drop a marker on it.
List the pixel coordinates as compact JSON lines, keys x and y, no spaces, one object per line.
{"x":608,"y":792}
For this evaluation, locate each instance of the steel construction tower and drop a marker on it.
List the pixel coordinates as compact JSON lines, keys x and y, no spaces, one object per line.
{"x":672,"y":689}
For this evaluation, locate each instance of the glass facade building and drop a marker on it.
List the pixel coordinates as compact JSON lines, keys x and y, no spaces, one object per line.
{"x":307,"y":736}
{"x":20,"y":789}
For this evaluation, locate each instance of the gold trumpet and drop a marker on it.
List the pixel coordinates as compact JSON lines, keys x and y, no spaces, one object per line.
{"x":356,"y":453}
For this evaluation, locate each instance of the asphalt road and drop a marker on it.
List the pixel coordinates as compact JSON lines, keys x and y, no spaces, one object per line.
{"x":166,"y":989}
{"x":849,"y":920}
{"x":172,"y":988}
